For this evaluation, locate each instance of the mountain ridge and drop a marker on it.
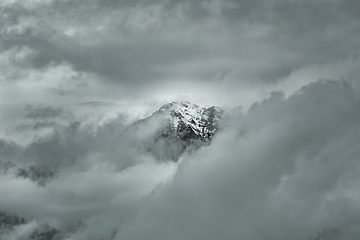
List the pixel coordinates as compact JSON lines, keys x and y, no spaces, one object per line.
{"x":179,"y":126}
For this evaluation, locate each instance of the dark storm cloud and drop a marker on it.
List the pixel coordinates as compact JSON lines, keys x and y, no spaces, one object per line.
{"x":147,"y":41}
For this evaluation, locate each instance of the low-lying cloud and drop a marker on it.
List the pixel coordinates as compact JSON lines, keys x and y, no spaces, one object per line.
{"x":285,"y":169}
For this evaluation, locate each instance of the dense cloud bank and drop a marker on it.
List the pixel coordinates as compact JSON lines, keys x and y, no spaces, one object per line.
{"x":74,"y":75}
{"x":288,"y":168}
{"x":209,"y":51}
{"x":132,"y":41}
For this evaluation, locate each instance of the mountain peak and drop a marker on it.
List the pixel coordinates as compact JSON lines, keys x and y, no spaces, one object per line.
{"x":199,"y":122}
{"x":180,"y":125}
{"x":178,"y":105}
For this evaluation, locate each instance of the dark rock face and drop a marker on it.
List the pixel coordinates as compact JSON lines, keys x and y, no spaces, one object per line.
{"x":46,"y":232}
{"x":39,"y":174}
{"x":190,"y":121}
{"x":180,"y":126}
{"x":9,"y":221}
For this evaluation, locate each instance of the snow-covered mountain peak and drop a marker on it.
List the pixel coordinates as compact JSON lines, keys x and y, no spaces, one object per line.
{"x":181,"y":111}
{"x":178,"y":105}
{"x":190,"y":120}
{"x":176,"y":127}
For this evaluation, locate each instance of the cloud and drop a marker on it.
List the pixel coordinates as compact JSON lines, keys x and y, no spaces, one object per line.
{"x":209,"y":52}
{"x":74,"y":75}
{"x":150,"y":41}
{"x":288,"y":161}
{"x":42,"y":112}
{"x":294,"y":166}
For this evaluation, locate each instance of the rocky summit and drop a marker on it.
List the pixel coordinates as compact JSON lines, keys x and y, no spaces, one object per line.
{"x":190,"y":121}
{"x":180,"y":126}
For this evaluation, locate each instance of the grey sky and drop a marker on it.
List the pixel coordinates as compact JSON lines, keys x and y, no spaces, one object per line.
{"x":140,"y":45}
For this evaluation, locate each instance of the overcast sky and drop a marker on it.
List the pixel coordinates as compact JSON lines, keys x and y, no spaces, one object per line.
{"x":75,"y":73}
{"x":214,"y":52}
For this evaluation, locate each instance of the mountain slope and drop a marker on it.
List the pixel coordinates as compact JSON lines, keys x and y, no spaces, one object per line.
{"x":176,"y":127}
{"x":191,"y":121}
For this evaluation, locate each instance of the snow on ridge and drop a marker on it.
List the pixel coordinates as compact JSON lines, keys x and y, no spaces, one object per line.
{"x":201,"y":120}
